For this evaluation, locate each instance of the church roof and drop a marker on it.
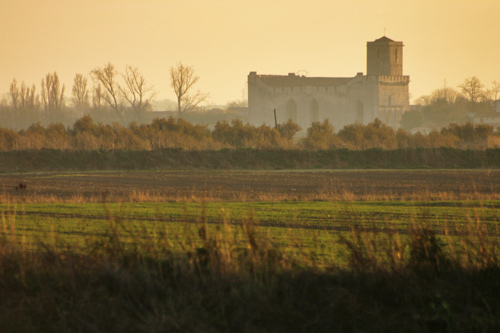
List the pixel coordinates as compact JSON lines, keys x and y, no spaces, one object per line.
{"x":384,"y":40}
{"x":302,"y":81}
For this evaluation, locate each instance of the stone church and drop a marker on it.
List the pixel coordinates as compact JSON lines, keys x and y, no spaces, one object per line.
{"x":382,"y":93}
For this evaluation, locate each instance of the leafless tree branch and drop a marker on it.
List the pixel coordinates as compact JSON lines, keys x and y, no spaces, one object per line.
{"x":135,"y":91}
{"x":105,"y":80}
{"x":182,"y":81}
{"x":80,"y":93}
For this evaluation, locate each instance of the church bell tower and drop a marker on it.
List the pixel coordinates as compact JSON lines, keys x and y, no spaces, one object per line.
{"x":384,"y":57}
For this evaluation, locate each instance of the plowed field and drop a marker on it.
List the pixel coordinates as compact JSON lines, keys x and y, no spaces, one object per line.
{"x":253,"y":185}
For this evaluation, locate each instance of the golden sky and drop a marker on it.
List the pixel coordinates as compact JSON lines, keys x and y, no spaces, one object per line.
{"x":226,"y":39}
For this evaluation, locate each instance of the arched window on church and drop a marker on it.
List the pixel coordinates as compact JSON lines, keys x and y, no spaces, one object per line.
{"x":314,"y":111}
{"x":359,"y":112}
{"x":381,"y":115}
{"x":390,"y":118}
{"x":291,"y":110}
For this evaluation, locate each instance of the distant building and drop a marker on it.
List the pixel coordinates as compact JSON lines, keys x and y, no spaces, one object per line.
{"x":488,"y":117}
{"x":381,"y":93}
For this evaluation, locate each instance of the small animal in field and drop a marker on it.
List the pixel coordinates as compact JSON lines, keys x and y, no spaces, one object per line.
{"x":21,"y":186}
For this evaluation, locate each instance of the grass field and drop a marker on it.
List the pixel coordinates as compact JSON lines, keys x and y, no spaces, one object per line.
{"x":307,"y":202}
{"x":251,"y":251}
{"x":69,"y":219}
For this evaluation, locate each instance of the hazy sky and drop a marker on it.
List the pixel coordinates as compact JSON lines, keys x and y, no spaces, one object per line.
{"x":226,"y":39}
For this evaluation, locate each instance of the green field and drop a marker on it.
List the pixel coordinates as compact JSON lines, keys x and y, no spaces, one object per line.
{"x":287,"y":224}
{"x":250,"y":251}
{"x":285,"y":214}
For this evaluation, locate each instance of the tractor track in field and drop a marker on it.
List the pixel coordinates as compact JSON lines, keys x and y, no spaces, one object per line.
{"x":334,"y":223}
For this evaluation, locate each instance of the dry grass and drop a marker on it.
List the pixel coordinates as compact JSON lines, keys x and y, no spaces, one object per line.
{"x":235,"y":278}
{"x":137,"y":196}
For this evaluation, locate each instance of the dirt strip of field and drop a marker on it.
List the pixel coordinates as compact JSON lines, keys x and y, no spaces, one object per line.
{"x":252,"y":185}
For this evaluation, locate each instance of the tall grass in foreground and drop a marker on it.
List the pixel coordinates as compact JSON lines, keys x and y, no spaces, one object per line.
{"x":233,"y":278}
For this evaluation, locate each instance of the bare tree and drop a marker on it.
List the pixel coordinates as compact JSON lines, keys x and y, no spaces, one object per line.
{"x":495,"y":90}
{"x":28,"y":98}
{"x":135,"y":91}
{"x":182,"y":80}
{"x":52,"y":94}
{"x":14,"y":94}
{"x":473,"y":90}
{"x":105,"y":80}
{"x":97,"y":97}
{"x":424,"y":100}
{"x":447,"y":94}
{"x":80,"y":93}
{"x":239,"y":103}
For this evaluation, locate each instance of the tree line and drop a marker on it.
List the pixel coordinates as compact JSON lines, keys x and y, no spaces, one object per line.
{"x":449,"y":105}
{"x":124,"y":97}
{"x":86,"y":134}
{"x":109,"y":96}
